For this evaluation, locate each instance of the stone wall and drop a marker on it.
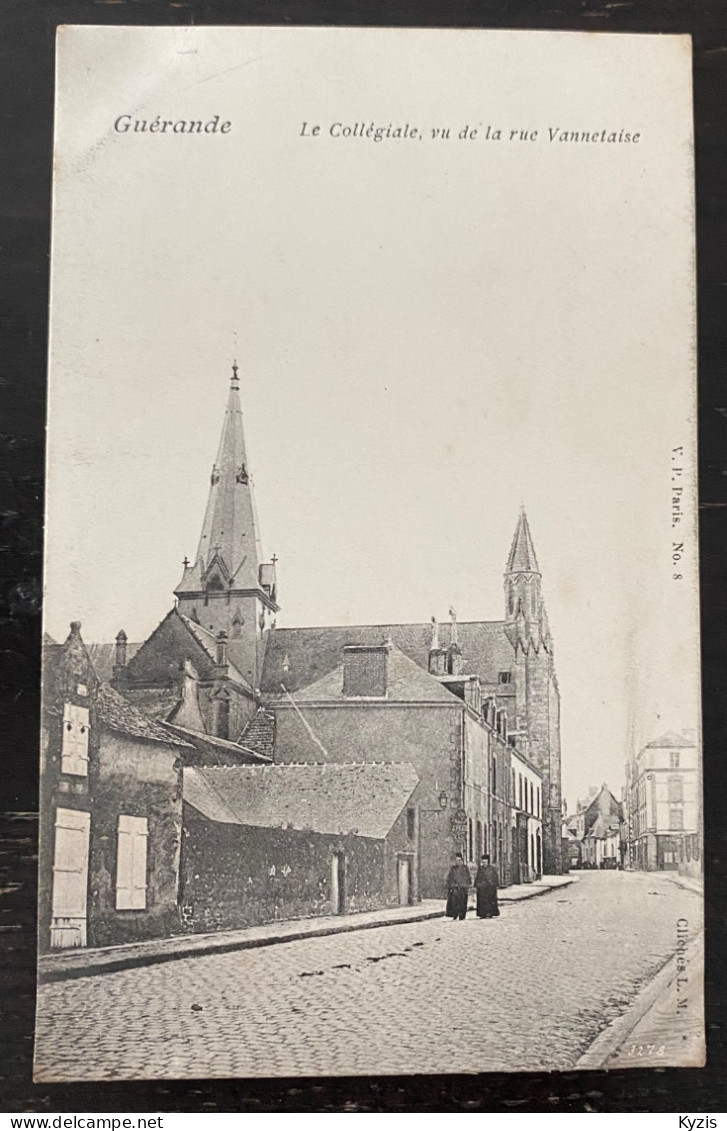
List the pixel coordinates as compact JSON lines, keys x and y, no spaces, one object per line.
{"x":237,"y":876}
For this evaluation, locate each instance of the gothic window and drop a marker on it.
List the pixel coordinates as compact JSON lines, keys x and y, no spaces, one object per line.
{"x":74,"y":745}
{"x":511,"y":598}
{"x":215,"y":582}
{"x":410,"y":823}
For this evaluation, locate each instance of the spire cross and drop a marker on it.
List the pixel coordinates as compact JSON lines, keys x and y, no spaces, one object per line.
{"x":185,"y":563}
{"x":235,"y":383}
{"x":274,"y":559}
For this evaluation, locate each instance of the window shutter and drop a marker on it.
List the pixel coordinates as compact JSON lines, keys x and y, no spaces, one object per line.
{"x":131,"y":863}
{"x":74,"y":747}
{"x":70,"y":863}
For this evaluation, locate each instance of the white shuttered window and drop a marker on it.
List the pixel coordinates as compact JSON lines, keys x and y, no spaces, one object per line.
{"x":131,"y":863}
{"x":74,"y":748}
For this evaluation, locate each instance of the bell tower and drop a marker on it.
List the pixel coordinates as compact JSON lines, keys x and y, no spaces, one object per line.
{"x":536,"y":683}
{"x":228,"y":588}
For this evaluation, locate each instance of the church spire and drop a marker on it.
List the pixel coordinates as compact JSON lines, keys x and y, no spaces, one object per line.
{"x":229,"y":531}
{"x":522,"y":557}
{"x":524,"y":608}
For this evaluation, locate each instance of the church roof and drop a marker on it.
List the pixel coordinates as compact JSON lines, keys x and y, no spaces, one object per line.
{"x":522,"y":557}
{"x":365,"y":799}
{"x":103,"y":658}
{"x":311,"y":653}
{"x":407,"y":683}
{"x":228,"y":544}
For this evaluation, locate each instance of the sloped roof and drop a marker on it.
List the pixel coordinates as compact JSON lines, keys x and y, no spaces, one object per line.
{"x":103,"y":658}
{"x":314,"y":652}
{"x":221,"y":750}
{"x":407,"y":683}
{"x":259,"y":733}
{"x":119,"y":715}
{"x":602,"y":825}
{"x":671,"y":738}
{"x":365,"y":799}
{"x":158,"y":702}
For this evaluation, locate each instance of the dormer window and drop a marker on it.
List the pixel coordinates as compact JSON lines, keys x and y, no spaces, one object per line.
{"x":74,"y":744}
{"x":505,"y":677}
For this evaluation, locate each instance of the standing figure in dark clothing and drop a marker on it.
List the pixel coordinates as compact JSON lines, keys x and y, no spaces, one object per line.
{"x":458,"y":886}
{"x":486,"y":883}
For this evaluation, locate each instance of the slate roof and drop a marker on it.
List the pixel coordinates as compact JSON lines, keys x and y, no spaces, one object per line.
{"x":602,"y":825}
{"x":119,"y":715}
{"x":259,"y":733}
{"x":103,"y":658}
{"x":158,"y":702}
{"x":407,"y":683}
{"x":365,"y":799}
{"x":220,"y":751}
{"x":314,"y":652}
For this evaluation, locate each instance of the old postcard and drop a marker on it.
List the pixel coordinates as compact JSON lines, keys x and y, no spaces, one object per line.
{"x":371,"y":727}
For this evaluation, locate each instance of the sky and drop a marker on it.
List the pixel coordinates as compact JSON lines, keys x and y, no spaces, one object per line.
{"x":429,"y":333}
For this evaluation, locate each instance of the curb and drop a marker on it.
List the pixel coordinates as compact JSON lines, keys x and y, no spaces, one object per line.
{"x":112,"y":965}
{"x":129,"y":961}
{"x":610,"y":1039}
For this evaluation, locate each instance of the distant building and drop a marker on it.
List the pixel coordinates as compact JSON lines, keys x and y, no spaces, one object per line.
{"x":594,"y":832}
{"x":662,"y":802}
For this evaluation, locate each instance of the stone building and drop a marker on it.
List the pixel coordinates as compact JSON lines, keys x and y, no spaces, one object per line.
{"x":111,"y":810}
{"x":279,"y":842}
{"x":662,"y":799}
{"x":594,"y":831}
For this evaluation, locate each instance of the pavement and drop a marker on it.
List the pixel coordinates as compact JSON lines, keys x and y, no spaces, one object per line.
{"x":94,"y":960}
{"x":531,"y":990}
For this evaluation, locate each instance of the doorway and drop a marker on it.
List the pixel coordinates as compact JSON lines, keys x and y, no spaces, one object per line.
{"x":338,"y":883}
{"x":403,"y":876}
{"x":70,"y":878}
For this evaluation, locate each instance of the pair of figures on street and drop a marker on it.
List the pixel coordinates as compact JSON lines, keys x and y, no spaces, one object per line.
{"x":459,"y":881}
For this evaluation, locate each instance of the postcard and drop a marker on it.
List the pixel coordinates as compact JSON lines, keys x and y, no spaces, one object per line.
{"x":371,"y":692}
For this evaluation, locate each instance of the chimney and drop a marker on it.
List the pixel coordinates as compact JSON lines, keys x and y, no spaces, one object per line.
{"x":366,"y":671}
{"x":454,"y":659}
{"x":473,"y":693}
{"x":121,"y":658}
{"x":437,"y":654}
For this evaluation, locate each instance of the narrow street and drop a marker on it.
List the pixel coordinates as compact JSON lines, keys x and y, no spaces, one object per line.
{"x":532,"y":988}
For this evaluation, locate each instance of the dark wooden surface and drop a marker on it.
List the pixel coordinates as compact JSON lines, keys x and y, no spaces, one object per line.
{"x":27,"y":29}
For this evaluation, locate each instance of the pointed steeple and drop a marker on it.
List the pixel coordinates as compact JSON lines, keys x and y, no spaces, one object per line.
{"x":228,"y":588}
{"x":229,"y":537}
{"x":522,"y":557}
{"x":524,"y":609}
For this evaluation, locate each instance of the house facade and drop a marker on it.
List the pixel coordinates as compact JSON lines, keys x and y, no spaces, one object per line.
{"x":111,"y":810}
{"x":662,"y":803}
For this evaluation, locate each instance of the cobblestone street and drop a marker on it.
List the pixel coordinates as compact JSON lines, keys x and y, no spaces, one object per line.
{"x":530,"y":989}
